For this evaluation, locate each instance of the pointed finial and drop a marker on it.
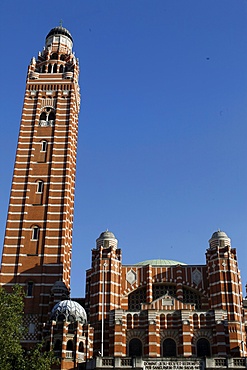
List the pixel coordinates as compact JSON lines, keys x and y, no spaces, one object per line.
{"x":61,"y":23}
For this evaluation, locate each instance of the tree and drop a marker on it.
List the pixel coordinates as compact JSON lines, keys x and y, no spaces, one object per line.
{"x":12,"y":355}
{"x":11,"y":329}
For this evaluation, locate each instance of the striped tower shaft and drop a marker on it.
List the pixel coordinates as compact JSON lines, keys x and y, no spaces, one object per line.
{"x":38,"y":238}
{"x":225,"y":289}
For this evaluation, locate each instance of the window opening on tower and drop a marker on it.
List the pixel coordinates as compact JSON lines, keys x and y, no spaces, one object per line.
{"x":40,"y":185}
{"x":43,"y":146}
{"x":30,"y":289}
{"x":47,"y":117}
{"x":35,"y":233}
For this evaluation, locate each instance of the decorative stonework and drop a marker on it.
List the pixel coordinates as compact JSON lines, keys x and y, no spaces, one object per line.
{"x":131,"y":277}
{"x":31,"y":323}
{"x":196,"y":276}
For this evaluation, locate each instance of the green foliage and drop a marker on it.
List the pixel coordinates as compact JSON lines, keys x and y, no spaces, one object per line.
{"x":36,"y":359}
{"x":11,"y":330}
{"x":12,"y":356}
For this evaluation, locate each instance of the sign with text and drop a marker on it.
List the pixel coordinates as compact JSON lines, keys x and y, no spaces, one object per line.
{"x":173,"y":365}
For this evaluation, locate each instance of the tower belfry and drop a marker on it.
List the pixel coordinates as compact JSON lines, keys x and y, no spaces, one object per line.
{"x":38,"y":238}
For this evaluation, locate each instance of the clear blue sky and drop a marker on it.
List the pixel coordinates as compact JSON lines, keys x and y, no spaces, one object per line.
{"x":162,"y":154}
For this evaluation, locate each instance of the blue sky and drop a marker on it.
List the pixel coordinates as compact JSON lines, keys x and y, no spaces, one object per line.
{"x":162,"y":152}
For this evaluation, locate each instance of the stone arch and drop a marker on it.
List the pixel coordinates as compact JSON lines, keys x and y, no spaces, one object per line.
{"x":169,"y":347}
{"x":135,"y":347}
{"x":47,"y":116}
{"x":70,"y":345}
{"x":81,"y":347}
{"x":203,"y":347}
{"x":134,"y":333}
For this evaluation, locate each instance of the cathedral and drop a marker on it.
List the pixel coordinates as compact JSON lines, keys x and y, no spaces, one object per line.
{"x":153,"y":315}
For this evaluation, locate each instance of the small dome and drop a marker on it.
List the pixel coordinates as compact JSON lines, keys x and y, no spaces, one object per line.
{"x":159,"y":262}
{"x":219,"y":238}
{"x":59,"y":286}
{"x":68,"y":310}
{"x":219,"y":235}
{"x":107,"y":235}
{"x":106,"y":239}
{"x":59,"y":31}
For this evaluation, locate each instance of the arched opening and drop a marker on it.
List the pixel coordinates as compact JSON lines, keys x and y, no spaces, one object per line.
{"x":62,"y":57}
{"x":51,"y":116}
{"x":203,"y":348}
{"x":43,"y":116}
{"x":54,"y":56}
{"x":43,"y":146}
{"x":30,"y":289}
{"x":81,"y":347}
{"x":47,"y":117}
{"x":61,"y":69}
{"x":35,"y":233}
{"x":129,"y":321}
{"x":55,"y":68}
{"x":43,"y":68}
{"x":40,"y":185}
{"x":136,"y":321}
{"x":70,"y":345}
{"x":61,"y":318}
{"x":169,"y":348}
{"x":58,"y":345}
{"x":162,"y":321}
{"x":49,"y":68}
{"x":135,"y":347}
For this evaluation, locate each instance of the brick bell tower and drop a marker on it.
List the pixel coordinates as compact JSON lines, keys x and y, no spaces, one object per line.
{"x":38,"y":238}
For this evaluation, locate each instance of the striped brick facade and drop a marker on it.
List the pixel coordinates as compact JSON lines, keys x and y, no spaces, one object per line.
{"x":166,"y":308}
{"x":38,"y":238}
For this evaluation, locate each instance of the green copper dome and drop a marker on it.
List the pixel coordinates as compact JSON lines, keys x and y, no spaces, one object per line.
{"x":160,"y":262}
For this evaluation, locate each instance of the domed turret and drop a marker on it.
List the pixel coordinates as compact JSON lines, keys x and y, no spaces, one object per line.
{"x":70,"y":311}
{"x":219,"y":238}
{"x":59,"y":31}
{"x":106,"y":239}
{"x":59,"y":38}
{"x":59,"y":287}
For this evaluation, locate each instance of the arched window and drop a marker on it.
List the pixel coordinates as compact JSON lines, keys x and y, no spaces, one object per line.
{"x":169,"y":348}
{"x":70,"y":345}
{"x":62,"y":57}
{"x":43,"y":116}
{"x":43,"y":68}
{"x":61,"y":69}
{"x":47,"y":117}
{"x":43,"y":146}
{"x":129,"y":321}
{"x":55,"y":68}
{"x":81,"y":347}
{"x":40,"y":185}
{"x":136,"y":321}
{"x":51,"y":116}
{"x":162,"y":321}
{"x":35,"y":233}
{"x":203,"y":348}
{"x":54,"y":56}
{"x":135,"y":348}
{"x":49,"y":68}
